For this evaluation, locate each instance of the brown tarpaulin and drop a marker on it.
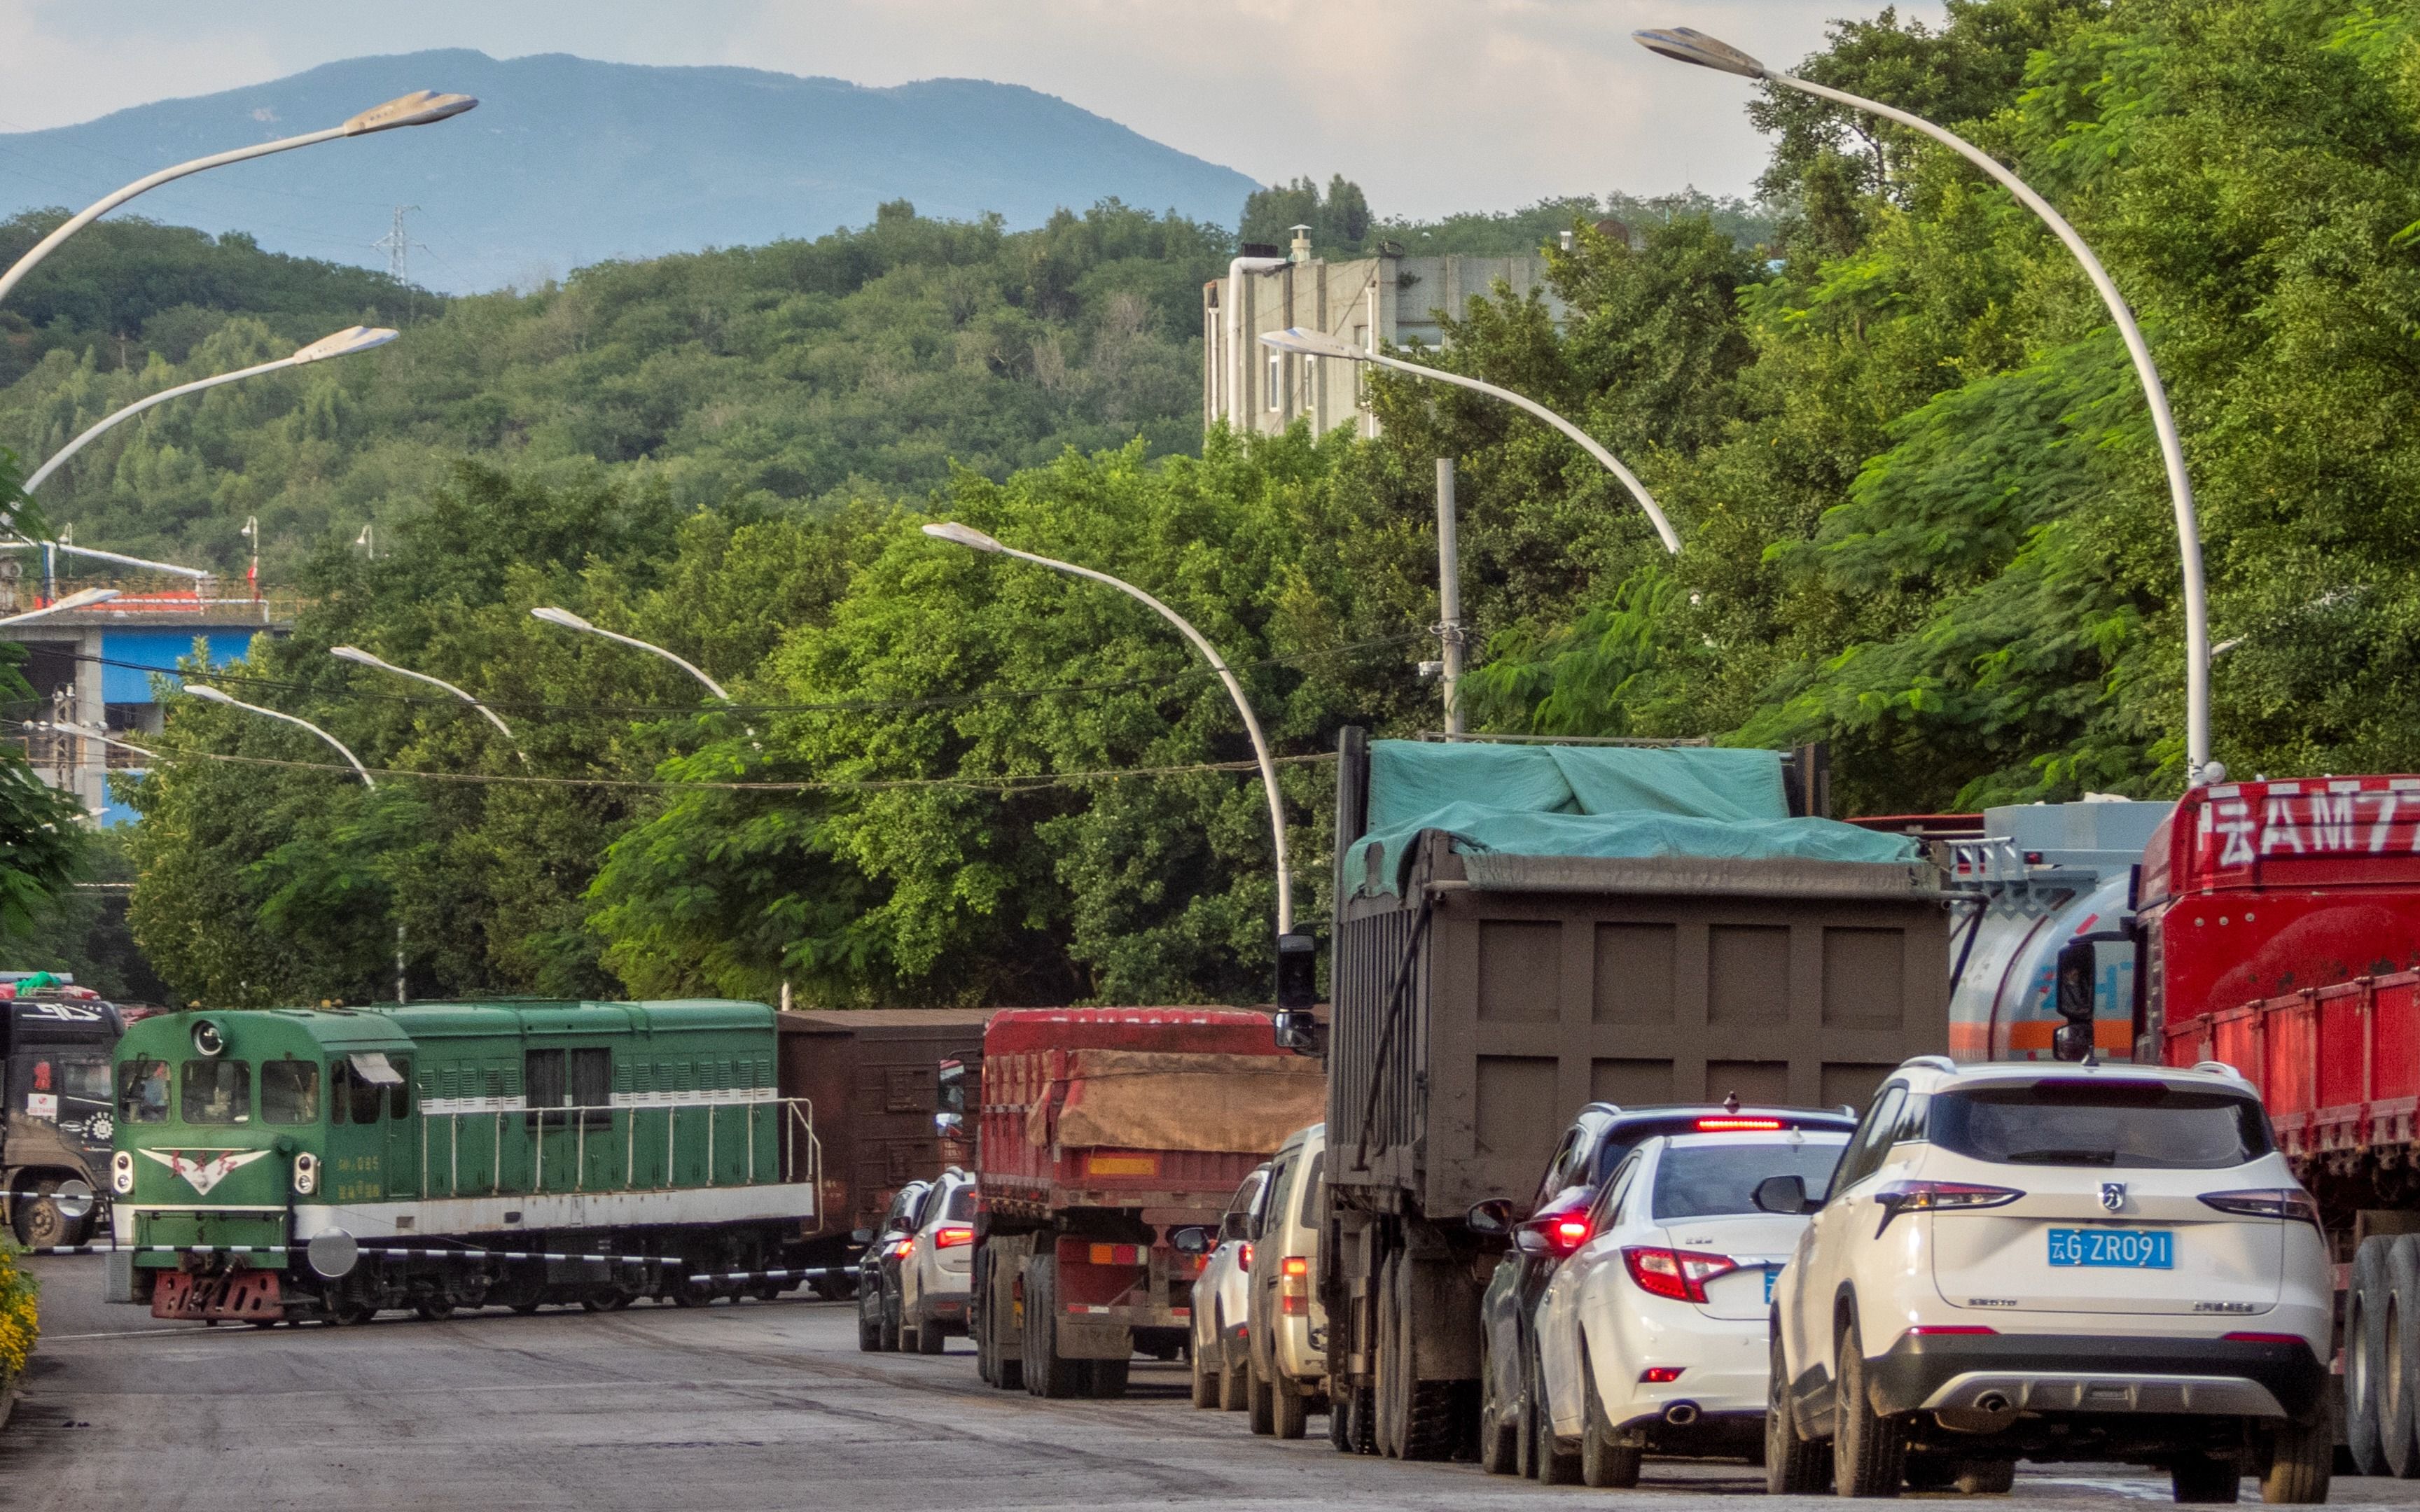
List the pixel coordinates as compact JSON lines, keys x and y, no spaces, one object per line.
{"x":1150,"y":1099}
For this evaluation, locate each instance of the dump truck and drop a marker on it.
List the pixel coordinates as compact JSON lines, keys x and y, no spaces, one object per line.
{"x":1526,"y":928}
{"x":875,"y":1080}
{"x":1101,"y":1130}
{"x":56,"y":1126}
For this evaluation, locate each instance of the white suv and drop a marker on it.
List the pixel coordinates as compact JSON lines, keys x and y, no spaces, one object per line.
{"x":2069,"y":1262}
{"x":935,"y":1276}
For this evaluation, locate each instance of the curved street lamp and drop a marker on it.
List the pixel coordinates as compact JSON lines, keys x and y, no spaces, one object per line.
{"x":362,"y":658}
{"x":81,"y":598}
{"x":419,"y":108}
{"x":342,"y":343}
{"x":1307,"y":342}
{"x":564,"y":619}
{"x":212,"y":695}
{"x":1684,"y":45}
{"x":967,"y":535}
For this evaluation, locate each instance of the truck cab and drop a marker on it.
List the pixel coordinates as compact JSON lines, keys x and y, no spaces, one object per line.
{"x":55,"y":1068}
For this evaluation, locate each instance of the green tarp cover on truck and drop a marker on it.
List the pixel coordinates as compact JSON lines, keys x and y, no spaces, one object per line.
{"x":1616,"y":801}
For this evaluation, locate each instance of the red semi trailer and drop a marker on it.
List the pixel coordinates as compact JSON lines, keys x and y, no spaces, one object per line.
{"x":1101,"y":1130}
{"x":2278,"y":932}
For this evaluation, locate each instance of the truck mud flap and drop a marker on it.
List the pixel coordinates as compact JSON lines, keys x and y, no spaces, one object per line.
{"x":239,"y":1296}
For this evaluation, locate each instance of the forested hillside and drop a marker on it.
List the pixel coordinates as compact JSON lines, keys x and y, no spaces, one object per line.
{"x":1922,"y":519}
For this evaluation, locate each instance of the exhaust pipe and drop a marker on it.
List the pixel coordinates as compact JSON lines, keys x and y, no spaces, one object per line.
{"x":1681,"y":1415}
{"x":1993,"y":1402}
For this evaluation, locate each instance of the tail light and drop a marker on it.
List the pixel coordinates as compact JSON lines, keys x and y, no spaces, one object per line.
{"x":1739,"y":1126}
{"x":1680,"y":1274}
{"x":1293,"y":1286}
{"x":2290,"y":1203}
{"x":1244,"y":1256}
{"x":1938,"y":1197}
{"x":1558,"y":1235}
{"x":1659,"y":1375}
{"x":903,"y":1248}
{"x":952,"y":1236}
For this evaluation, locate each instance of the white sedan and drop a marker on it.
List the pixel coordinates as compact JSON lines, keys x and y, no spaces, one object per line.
{"x":1653,"y":1335}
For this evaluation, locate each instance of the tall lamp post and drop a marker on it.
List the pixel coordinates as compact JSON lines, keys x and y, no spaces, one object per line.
{"x":1293,"y":951}
{"x":362,"y":658}
{"x":81,"y":598}
{"x":564,"y":619}
{"x":212,"y":695}
{"x":343,"y":344}
{"x":1305,"y":342}
{"x":419,"y":108}
{"x":1684,"y":45}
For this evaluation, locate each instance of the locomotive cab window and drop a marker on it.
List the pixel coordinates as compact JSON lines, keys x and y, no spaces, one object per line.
{"x":142,"y":1091}
{"x":359,"y":1084}
{"x":217,"y":1091}
{"x":289,"y":1091}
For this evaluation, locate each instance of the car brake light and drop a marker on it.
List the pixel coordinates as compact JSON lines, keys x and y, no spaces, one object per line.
{"x":1244,"y":1256}
{"x":905,"y":1247}
{"x":1737,"y":1126}
{"x":1566,"y":1234}
{"x":1294,"y":1265}
{"x":952,"y":1236}
{"x":2290,"y":1203}
{"x":1938,"y":1197}
{"x":1293,"y":1286}
{"x":1680,"y":1274}
{"x":1659,"y":1375}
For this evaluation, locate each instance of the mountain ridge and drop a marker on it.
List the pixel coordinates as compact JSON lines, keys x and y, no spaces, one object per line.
{"x":570,"y":160}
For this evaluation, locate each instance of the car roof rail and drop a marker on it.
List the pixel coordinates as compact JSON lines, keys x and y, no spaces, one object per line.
{"x":2220,"y":1068}
{"x":1941,"y":1063}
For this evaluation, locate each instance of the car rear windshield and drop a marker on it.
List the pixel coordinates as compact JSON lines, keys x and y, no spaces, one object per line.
{"x":962,"y":1206}
{"x":2080,"y":1121}
{"x":1707,"y":1181}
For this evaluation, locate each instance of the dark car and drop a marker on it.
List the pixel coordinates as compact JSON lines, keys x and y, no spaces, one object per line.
{"x":1511,"y":1437}
{"x":878,"y":1268}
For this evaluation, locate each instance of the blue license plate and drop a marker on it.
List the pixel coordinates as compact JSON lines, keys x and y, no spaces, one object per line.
{"x":2135,"y":1249}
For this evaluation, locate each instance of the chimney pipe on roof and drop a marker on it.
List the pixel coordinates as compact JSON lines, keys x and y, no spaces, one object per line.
{"x":1301,"y":244}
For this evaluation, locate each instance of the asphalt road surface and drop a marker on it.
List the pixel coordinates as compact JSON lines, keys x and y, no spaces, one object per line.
{"x":728,"y":1407}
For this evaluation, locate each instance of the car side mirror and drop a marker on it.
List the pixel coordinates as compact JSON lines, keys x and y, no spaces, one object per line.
{"x":1493,"y":1217}
{"x":1191,"y":1240}
{"x":861,"y":1236}
{"x":948,"y":1125}
{"x":1785,"y":1195}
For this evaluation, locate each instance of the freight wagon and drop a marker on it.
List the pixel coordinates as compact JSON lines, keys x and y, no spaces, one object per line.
{"x":326,"y":1164}
{"x":1524,"y":929}
{"x":874,"y":1076}
{"x":1101,"y":1130}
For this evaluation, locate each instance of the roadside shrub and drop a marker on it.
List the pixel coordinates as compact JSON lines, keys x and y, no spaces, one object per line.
{"x":19,"y":1321}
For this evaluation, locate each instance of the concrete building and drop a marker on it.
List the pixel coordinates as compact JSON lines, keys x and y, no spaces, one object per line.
{"x":1386,"y":300}
{"x":94,"y":667}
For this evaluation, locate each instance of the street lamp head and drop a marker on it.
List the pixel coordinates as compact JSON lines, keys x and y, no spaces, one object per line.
{"x":1685,"y":44}
{"x":966,"y":535}
{"x":563,"y":617}
{"x":1305,"y":343}
{"x":207,"y":695}
{"x":85,"y":598}
{"x":355,"y":654}
{"x":419,"y":108}
{"x":345,"y":343}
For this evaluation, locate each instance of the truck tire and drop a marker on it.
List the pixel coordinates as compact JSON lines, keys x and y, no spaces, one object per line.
{"x":1107,"y":1379}
{"x":1289,"y":1409}
{"x":1793,"y":1466}
{"x":2398,"y":1375}
{"x":1431,"y":1418}
{"x":2366,"y":1313}
{"x":2300,"y":1457}
{"x":39,"y":1222}
{"x":1046,"y":1374}
{"x":1869,"y":1454}
{"x":1388,"y":1388}
{"x":1262,"y":1413}
{"x":1603,"y":1461}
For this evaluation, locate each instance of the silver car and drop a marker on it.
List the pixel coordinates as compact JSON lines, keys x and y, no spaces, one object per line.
{"x":1221,"y":1364}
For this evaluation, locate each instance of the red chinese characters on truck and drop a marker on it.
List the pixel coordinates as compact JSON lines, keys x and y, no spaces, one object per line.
{"x":2254,"y":889}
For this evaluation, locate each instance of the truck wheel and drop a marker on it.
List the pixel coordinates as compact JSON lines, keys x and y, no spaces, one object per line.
{"x":1870,"y":1455}
{"x":1360,"y":1412}
{"x":1430,"y":1424}
{"x":1548,"y":1461}
{"x":39,"y":1222}
{"x":1107,"y":1379}
{"x":1793,"y":1466}
{"x":1046,"y":1373}
{"x":1290,"y":1410}
{"x":1498,"y":1447}
{"x":2300,"y":1457}
{"x":2205,"y":1479}
{"x":2366,"y":1313}
{"x":2399,"y":1375}
{"x":1386,"y":1370}
{"x":1261,"y":1413}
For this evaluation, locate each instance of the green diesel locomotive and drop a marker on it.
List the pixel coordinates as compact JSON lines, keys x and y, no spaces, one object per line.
{"x":293,"y":1163}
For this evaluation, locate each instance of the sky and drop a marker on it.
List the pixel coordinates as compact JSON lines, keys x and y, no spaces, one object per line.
{"x":1432,"y":107}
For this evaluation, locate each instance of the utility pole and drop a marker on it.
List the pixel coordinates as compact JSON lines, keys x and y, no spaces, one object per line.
{"x":1448,"y":596}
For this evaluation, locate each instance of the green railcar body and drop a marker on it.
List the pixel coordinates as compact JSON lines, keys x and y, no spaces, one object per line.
{"x":637,"y":1128}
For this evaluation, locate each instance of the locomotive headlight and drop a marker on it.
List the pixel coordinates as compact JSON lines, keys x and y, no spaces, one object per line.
{"x":122,"y":1172}
{"x":306,"y":1173}
{"x":207,"y":1037}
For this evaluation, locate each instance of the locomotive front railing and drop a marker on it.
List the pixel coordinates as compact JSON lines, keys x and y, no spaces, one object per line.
{"x":441,"y":1153}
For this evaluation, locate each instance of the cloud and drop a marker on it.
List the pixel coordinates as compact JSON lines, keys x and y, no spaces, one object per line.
{"x":1433,"y":106}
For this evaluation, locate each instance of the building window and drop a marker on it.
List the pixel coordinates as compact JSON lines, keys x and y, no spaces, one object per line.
{"x":1277,"y":382}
